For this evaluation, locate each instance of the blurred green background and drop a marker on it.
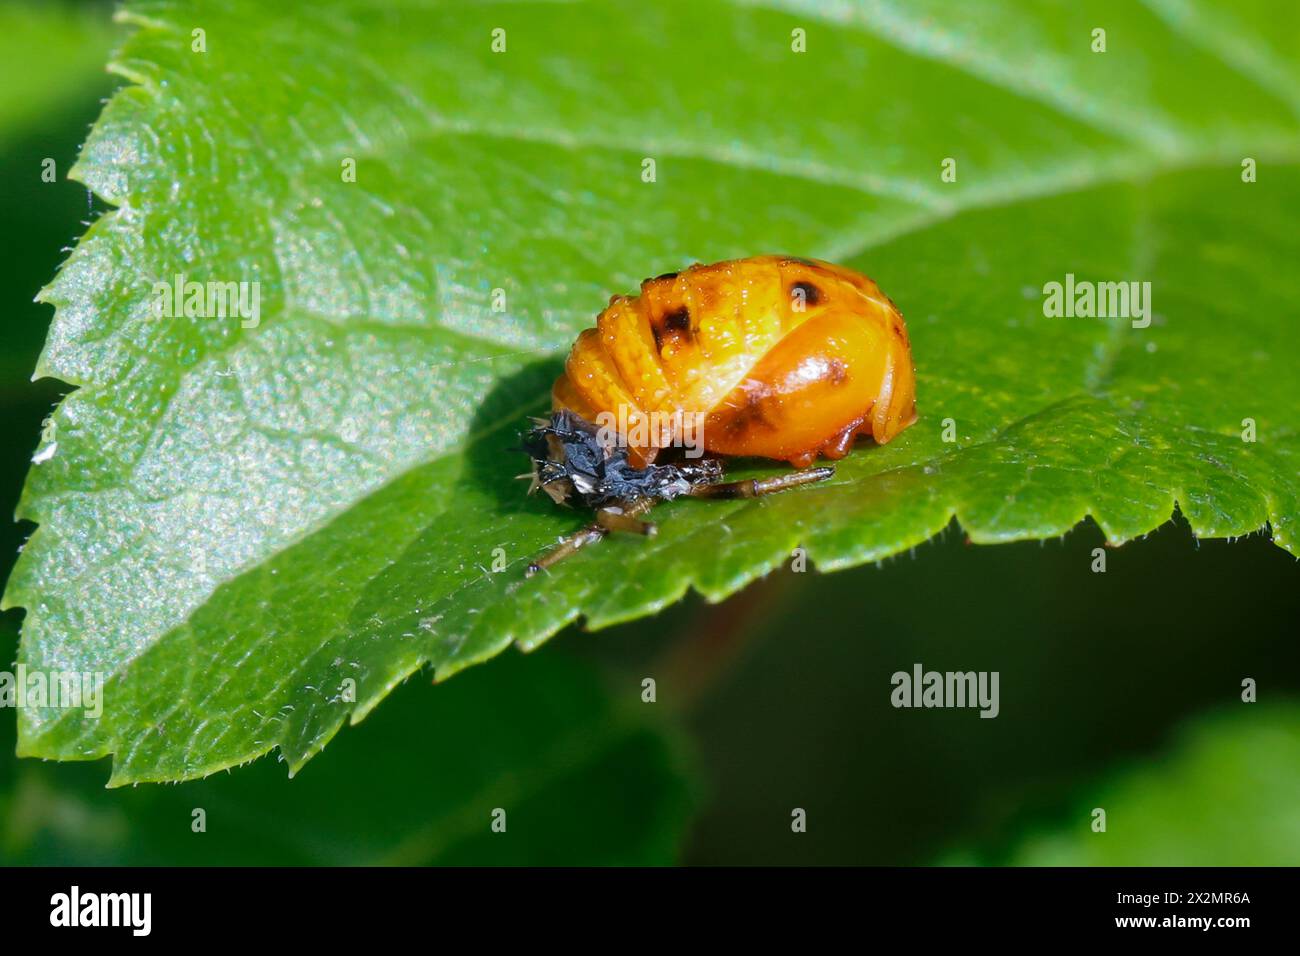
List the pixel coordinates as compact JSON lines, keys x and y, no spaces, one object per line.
{"x":1118,"y":690}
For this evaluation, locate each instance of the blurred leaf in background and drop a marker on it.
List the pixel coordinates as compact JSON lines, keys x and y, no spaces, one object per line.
{"x":1226,"y":792}
{"x":535,"y":743}
{"x":1098,"y":674}
{"x":54,"y":54}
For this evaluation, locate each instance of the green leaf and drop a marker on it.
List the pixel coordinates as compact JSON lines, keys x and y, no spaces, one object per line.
{"x":234,"y":519}
{"x":1223,"y":796}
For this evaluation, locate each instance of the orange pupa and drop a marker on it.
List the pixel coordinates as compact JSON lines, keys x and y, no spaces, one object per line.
{"x":777,"y":357}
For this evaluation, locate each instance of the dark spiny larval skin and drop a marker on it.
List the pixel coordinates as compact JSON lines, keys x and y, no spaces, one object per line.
{"x":573,"y":466}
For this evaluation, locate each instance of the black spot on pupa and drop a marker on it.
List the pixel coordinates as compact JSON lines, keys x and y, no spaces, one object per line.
{"x":750,"y":415}
{"x":675,"y":324}
{"x":678,"y":320}
{"x":666,"y":275}
{"x":811,"y":294}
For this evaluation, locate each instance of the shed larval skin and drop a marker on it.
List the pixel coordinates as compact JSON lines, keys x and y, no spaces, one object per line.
{"x":784,"y":358}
